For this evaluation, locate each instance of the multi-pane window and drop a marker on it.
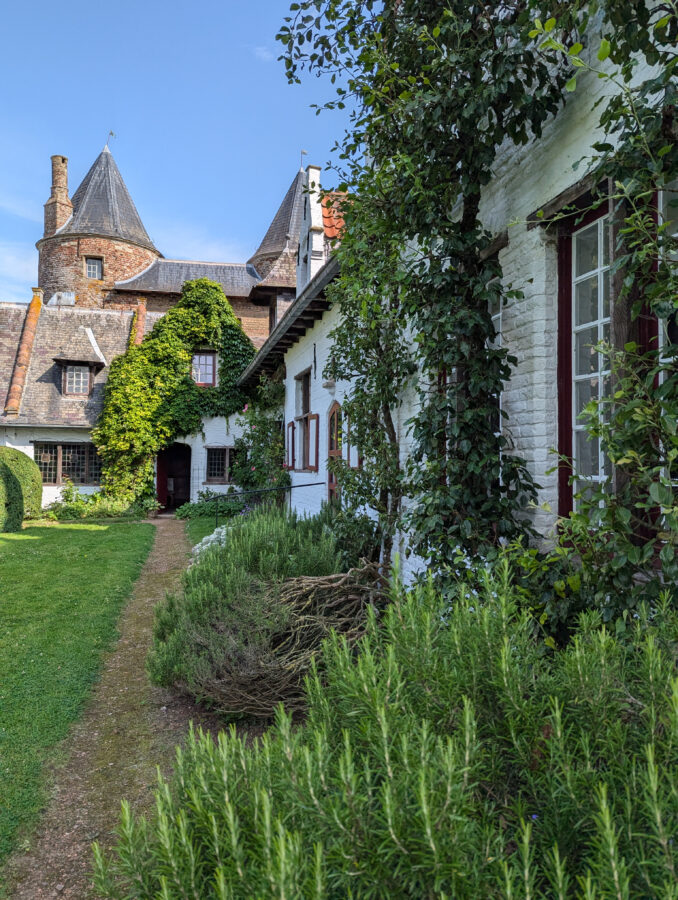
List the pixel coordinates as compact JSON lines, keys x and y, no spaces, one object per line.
{"x":45,"y":456}
{"x":590,"y":324}
{"x":303,"y":382}
{"x":334,"y":449}
{"x":94,"y":267}
{"x":220,"y":461}
{"x":77,"y":380}
{"x":78,"y":463}
{"x":203,"y":370}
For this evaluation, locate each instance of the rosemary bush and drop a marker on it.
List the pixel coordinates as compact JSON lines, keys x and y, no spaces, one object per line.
{"x":228,"y":609}
{"x":449,"y":758}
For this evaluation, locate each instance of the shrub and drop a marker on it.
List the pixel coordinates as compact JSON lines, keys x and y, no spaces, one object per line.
{"x":20,"y":488}
{"x":206,"y":505}
{"x":75,"y":505}
{"x":229,"y":616}
{"x":450,"y":758}
{"x":357,"y":535}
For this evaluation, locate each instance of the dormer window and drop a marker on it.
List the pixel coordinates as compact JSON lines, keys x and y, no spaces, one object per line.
{"x":77,"y":381}
{"x":94,"y":267}
{"x":204,"y":368}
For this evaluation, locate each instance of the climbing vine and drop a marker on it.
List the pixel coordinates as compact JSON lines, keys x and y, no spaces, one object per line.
{"x":437,"y":90}
{"x":260,"y":451}
{"x":151,"y":399}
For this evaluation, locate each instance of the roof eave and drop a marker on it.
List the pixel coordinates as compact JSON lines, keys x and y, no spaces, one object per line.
{"x":310,"y":304}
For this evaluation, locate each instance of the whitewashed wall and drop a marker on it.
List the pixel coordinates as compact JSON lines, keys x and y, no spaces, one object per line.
{"x":23,"y":438}
{"x":218,"y":432}
{"x":312,"y":351}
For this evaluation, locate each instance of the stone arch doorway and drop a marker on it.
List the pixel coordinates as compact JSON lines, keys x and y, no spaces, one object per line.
{"x":174,"y":476}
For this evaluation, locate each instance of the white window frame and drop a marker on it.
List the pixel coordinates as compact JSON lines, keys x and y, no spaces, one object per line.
{"x":98,"y":266}
{"x":602,"y":325}
{"x":77,"y":380}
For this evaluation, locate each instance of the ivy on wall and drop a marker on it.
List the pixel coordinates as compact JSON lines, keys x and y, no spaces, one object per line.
{"x":150,"y":397}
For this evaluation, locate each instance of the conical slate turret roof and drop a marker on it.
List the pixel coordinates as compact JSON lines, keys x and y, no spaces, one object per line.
{"x":283,"y":232}
{"x":102,"y":205}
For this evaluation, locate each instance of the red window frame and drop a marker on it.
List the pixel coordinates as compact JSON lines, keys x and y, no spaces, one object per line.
{"x":648,"y":330}
{"x":334,"y":447}
{"x":213,"y":356}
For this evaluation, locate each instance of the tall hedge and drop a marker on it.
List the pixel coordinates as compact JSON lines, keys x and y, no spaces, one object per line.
{"x":20,"y":488}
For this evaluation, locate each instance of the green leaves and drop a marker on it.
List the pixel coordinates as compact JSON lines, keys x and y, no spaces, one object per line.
{"x":150,"y":398}
{"x":604,"y":50}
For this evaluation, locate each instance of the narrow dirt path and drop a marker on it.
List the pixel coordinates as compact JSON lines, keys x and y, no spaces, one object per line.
{"x":128,"y":729}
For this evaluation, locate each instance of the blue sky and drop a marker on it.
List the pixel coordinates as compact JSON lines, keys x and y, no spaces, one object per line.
{"x":208,"y":132}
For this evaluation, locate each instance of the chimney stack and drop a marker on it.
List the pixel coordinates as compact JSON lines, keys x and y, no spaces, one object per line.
{"x":58,"y":208}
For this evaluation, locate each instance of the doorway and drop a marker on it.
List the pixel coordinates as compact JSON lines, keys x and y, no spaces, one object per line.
{"x":174,"y":476}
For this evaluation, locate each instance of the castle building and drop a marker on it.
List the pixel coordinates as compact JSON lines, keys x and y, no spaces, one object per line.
{"x":99,"y":273}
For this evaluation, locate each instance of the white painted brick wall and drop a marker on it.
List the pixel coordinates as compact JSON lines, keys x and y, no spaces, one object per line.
{"x":23,"y":439}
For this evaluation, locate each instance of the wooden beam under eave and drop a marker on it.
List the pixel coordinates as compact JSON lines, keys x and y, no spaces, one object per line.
{"x":545,"y":213}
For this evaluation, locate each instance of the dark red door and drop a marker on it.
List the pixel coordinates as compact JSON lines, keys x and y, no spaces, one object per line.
{"x":174,"y":476}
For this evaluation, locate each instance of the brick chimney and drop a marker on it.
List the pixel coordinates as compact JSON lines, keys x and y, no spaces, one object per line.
{"x":58,"y":208}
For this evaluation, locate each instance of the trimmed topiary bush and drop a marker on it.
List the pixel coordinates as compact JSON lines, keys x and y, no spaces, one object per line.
{"x":20,"y":489}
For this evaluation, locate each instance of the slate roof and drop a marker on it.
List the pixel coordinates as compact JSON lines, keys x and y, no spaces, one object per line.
{"x":169,"y":275}
{"x":102,"y":205}
{"x":12,"y":317}
{"x":283,"y":232}
{"x":43,"y":402}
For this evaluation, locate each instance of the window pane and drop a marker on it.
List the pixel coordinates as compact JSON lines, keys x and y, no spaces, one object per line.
{"x":73,"y":457}
{"x":216,"y":464}
{"x":93,"y":465}
{"x":586,"y":301}
{"x":586,"y":358}
{"x":94,"y":268}
{"x":77,"y":379}
{"x":585,"y":391}
{"x":45,"y":456}
{"x":203,"y":368}
{"x":586,"y":250}
{"x":586,"y":454}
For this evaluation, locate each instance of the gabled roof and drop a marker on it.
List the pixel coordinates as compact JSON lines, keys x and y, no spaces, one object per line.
{"x":167,"y":276}
{"x":59,"y":329}
{"x":283,"y":232}
{"x":102,"y":205}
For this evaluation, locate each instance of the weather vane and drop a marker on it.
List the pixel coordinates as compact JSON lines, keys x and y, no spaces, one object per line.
{"x":301,"y":161}
{"x":110,"y":135}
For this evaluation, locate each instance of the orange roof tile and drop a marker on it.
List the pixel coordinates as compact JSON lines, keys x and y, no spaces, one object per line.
{"x":333,"y":219}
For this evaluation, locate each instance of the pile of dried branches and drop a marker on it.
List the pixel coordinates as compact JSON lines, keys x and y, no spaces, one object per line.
{"x":267,"y":667}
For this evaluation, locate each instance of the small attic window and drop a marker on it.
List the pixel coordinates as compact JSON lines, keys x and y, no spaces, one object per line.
{"x":204,"y":369}
{"x":77,"y":380}
{"x":94,"y":267}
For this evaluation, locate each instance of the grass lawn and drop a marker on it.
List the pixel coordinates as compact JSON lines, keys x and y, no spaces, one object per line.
{"x":62,"y":588}
{"x":199,"y":528}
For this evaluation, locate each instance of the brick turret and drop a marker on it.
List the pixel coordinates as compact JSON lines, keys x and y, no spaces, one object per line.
{"x":94,"y":240}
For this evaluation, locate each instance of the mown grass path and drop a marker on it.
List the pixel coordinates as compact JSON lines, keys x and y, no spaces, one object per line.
{"x":128,"y":729}
{"x":62,"y":588}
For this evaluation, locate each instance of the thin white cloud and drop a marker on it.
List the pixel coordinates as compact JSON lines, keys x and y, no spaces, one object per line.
{"x":263,"y":54}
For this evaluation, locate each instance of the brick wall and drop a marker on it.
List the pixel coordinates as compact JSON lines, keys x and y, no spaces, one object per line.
{"x":62,"y":268}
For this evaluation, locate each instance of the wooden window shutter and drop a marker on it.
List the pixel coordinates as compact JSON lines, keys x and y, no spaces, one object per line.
{"x":291,"y":461}
{"x":313,"y":441}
